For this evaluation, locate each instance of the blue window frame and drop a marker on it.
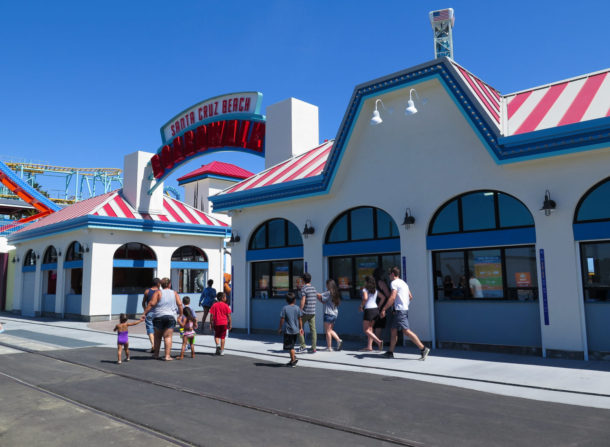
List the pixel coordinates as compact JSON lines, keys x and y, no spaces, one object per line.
{"x":364,"y":223}
{"x":594,"y":206}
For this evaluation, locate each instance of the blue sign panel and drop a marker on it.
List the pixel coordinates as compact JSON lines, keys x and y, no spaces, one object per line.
{"x":545,"y":302}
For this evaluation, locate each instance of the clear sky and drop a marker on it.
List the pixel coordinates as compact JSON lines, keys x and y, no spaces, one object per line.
{"x":82,"y":83}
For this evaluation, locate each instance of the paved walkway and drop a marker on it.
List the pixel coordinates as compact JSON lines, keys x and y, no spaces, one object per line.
{"x":552,"y":380}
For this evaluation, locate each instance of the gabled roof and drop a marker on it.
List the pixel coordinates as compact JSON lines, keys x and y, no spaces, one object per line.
{"x":216,"y":168}
{"x":112,"y":210}
{"x":568,"y":116}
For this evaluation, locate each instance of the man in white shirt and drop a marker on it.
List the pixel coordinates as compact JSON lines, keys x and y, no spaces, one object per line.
{"x":400,"y":298}
{"x":476,"y":290}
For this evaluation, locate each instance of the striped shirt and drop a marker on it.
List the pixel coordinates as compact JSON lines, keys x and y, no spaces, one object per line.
{"x":309,"y":292}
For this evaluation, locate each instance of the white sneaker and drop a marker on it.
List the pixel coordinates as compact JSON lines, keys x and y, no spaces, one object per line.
{"x":424,"y":353}
{"x":222,"y":352}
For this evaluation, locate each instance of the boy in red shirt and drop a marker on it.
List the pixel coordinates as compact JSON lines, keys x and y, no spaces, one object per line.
{"x":220,"y":316}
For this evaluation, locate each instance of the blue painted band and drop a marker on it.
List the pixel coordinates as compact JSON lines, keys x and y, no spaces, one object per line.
{"x":28,"y":268}
{"x":591,"y":231}
{"x":189,"y":265}
{"x":73,"y":265}
{"x":132,"y":263}
{"x":545,"y":301}
{"x":516,"y":236}
{"x":49,"y":266}
{"x":275,"y":253}
{"x":362,"y":248}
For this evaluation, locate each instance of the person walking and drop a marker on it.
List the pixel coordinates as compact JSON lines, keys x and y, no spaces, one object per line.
{"x":309,"y":296}
{"x":400,"y":298}
{"x":331,"y":300}
{"x":162,"y":306}
{"x":206,"y":300}
{"x":292,"y":322}
{"x":220,"y":319}
{"x":371,"y":313}
{"x":122,"y":330}
{"x":148,"y":294}
{"x":188,"y":322}
{"x":383,"y":294}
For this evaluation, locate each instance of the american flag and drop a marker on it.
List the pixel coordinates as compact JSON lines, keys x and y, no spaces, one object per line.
{"x":439,"y":16}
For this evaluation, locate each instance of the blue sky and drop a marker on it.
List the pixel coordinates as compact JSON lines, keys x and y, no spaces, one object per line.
{"x":82,"y":83}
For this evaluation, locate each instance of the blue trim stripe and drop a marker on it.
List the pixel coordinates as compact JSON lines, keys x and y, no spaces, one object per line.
{"x":591,"y":231}
{"x":515,"y":236}
{"x":73,"y":265}
{"x":189,"y":265}
{"x":362,"y":248}
{"x":52,"y":266}
{"x":28,"y":268}
{"x":275,"y":253}
{"x":132,"y":263}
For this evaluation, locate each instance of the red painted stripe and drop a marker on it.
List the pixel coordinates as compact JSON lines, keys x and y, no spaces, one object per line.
{"x":312,"y":162}
{"x":271,"y":174}
{"x":206,"y":219}
{"x":516,"y":102}
{"x":541,"y":109}
{"x":169,"y":209}
{"x":163,"y":218}
{"x":255,"y":181}
{"x":119,"y":201}
{"x":489,"y":96}
{"x":583,"y":100}
{"x":303,"y":160}
{"x":186,"y":212}
{"x":109,"y":211}
{"x":479,"y":94}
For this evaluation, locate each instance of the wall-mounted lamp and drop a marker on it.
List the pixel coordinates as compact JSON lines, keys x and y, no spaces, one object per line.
{"x":234,"y":239}
{"x":309,"y":229}
{"x":411,"y":110}
{"x":548,"y":205}
{"x":15,"y":259}
{"x":59,"y":253}
{"x":86,"y":248}
{"x":409,"y":219}
{"x":37,"y":255}
{"x":376,"y":118}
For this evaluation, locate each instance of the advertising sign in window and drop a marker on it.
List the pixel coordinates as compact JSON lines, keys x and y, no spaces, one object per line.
{"x":488,"y":270}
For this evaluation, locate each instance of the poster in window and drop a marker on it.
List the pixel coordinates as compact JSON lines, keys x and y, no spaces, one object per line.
{"x":281,"y":280}
{"x":364,"y":268}
{"x":488,"y":270}
{"x":523,"y":279}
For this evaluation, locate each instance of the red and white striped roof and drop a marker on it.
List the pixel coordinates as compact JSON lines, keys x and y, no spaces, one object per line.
{"x":488,"y":97}
{"x":308,"y":164}
{"x":112,"y":204}
{"x":575,"y":100}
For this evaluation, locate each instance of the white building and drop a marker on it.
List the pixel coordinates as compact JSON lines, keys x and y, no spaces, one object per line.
{"x":473,"y":168}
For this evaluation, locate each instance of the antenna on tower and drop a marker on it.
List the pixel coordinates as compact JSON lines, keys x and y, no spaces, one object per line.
{"x":442,"y":23}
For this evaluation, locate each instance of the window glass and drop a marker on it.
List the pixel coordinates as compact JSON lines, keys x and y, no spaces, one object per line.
{"x":338,"y":232}
{"x":450,"y":279}
{"x":134,"y":251}
{"x":478,"y":211}
{"x":188,"y":280}
{"x":447,"y":220}
{"x":259,"y":240}
{"x":261,"y":279}
{"x":51,"y":281}
{"x":277,"y":233}
{"x":365,"y":266}
{"x":76,"y":281}
{"x":131,"y":280}
{"x":294,"y":236}
{"x":389,"y":261}
{"x":280,"y":278}
{"x":513,"y":213}
{"x":297,"y":272}
{"x":521,"y":275}
{"x":596,"y":206}
{"x":362,"y":224}
{"x":595,"y":259}
{"x":386,"y":227}
{"x":189,"y":253}
{"x":74,"y":252}
{"x":342,"y":272}
{"x":50,"y":256}
{"x":485,"y":274}
{"x":30,"y":258}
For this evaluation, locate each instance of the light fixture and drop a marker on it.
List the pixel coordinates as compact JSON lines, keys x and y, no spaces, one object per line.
{"x":548,"y":205}
{"x":309,"y":229}
{"x":86,"y":248}
{"x":409,"y":219}
{"x":14,"y":260}
{"x":411,"y":110}
{"x":234,"y":239}
{"x":59,"y":253}
{"x":376,"y":118}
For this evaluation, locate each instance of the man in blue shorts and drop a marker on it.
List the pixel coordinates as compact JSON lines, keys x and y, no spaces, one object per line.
{"x":400,"y":298}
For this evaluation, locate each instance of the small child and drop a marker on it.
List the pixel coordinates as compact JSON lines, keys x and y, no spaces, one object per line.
{"x":291,"y":315}
{"x":123,"y":336}
{"x":188,"y":324}
{"x":186,"y":302}
{"x":220,"y":319}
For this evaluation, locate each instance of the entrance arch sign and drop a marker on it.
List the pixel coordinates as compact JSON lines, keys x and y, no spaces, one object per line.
{"x":229,"y":122}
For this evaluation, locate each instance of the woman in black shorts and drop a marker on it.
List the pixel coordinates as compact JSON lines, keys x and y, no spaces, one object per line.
{"x":383,"y":294}
{"x":371,"y":313}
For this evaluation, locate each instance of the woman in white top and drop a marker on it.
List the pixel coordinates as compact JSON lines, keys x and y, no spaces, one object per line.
{"x":162,"y":307}
{"x":371,"y":313}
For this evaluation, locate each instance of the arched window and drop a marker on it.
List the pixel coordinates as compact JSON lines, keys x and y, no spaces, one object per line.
{"x":189,"y":269}
{"x":50,"y":255}
{"x":75,"y":252}
{"x":276,"y":233}
{"x":357,"y":242}
{"x":277,"y":246}
{"x":361,"y":224}
{"x":134,"y":268}
{"x":480,"y":211}
{"x":30,"y":259}
{"x":595,"y":204}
